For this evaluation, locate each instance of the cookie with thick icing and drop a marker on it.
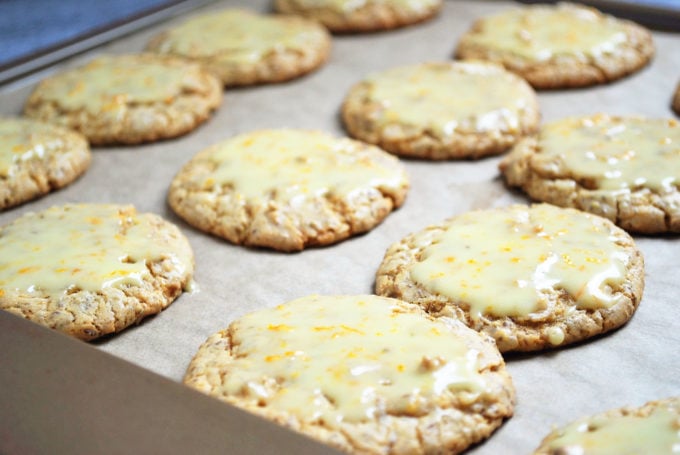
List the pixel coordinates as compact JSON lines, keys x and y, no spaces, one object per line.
{"x":127,"y":99}
{"x":37,"y":158}
{"x":652,"y":429}
{"x":626,"y":169}
{"x":89,"y":270}
{"x":343,"y":16}
{"x":530,"y":277}
{"x":442,"y":110}
{"x":288,"y":189}
{"x":245,"y":48}
{"x":563,"y":45}
{"x":364,"y":374}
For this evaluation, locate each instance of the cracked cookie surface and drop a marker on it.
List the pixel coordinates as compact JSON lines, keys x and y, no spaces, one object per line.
{"x":288,"y":189}
{"x":245,"y":48}
{"x":127,"y":99}
{"x":446,"y":110}
{"x":37,"y":158}
{"x":563,"y":45}
{"x":89,"y":270}
{"x":530,"y":277}
{"x":347,"y":16}
{"x":365,"y":374}
{"x":626,"y":169}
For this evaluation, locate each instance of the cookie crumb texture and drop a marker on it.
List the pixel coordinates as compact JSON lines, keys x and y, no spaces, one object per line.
{"x":444,"y":110}
{"x":559,"y":46}
{"x":652,"y":429}
{"x":246,"y":48}
{"x":364,"y":374}
{"x":37,"y":158}
{"x":530,"y":277}
{"x":349,"y":16}
{"x":626,"y":169}
{"x":288,"y":189}
{"x":128,"y":99}
{"x":91,"y":269}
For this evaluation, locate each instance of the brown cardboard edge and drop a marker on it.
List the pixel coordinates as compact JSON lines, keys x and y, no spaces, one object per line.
{"x":61,"y":395}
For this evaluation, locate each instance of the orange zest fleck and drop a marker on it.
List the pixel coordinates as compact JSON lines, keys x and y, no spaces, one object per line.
{"x":279,"y":327}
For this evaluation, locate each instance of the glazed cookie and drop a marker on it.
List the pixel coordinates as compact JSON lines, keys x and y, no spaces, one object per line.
{"x":245,"y":48}
{"x":531,"y":277}
{"x":442,"y":110}
{"x":288,"y":189}
{"x":626,"y":169}
{"x":36,"y":158}
{"x":344,"y":16}
{"x":91,"y":269}
{"x":563,"y":45}
{"x":128,"y":99}
{"x":653,"y":429}
{"x":364,"y":374}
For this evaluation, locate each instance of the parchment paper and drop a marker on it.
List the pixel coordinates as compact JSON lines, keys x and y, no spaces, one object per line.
{"x":637,"y":363}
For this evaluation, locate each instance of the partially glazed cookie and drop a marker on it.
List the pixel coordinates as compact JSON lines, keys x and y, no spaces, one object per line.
{"x":245,"y":48}
{"x":128,"y":99}
{"x":89,"y":270}
{"x":288,"y":189}
{"x":37,"y":158}
{"x":344,"y":16}
{"x":626,"y":169}
{"x":563,"y":45}
{"x":364,"y":374}
{"x":652,"y":429}
{"x":531,"y":277}
{"x":442,"y":110}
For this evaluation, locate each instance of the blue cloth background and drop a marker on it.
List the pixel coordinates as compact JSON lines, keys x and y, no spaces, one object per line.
{"x":27,"y":26}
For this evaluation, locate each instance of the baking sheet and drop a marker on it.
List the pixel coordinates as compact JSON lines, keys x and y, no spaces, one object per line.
{"x":635,"y":364}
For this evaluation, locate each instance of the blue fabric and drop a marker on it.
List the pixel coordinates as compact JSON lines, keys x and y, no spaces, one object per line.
{"x":670,"y":3}
{"x":27,"y":26}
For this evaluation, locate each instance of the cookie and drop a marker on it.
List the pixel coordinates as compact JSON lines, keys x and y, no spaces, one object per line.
{"x":626,"y":169}
{"x":650,"y":429}
{"x":343,"y":16}
{"x":36,"y":158}
{"x":288,"y":189}
{"x":128,"y":99}
{"x":530,"y":277}
{"x":245,"y":48}
{"x":676,"y":100}
{"x":442,"y":110}
{"x":556,"y":46}
{"x":364,"y":374}
{"x":91,"y":269}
